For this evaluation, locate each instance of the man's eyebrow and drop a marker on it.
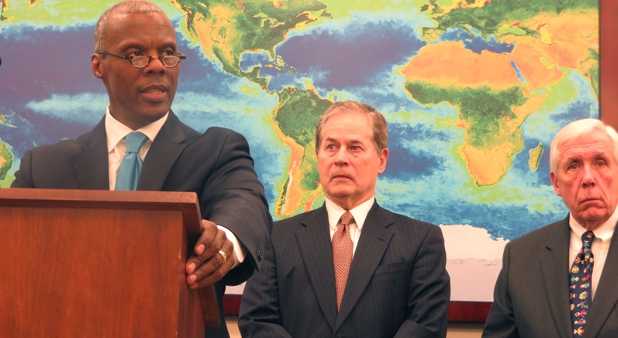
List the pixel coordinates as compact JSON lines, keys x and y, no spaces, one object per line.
{"x":131,"y":44}
{"x":594,"y":155}
{"x":141,"y":46}
{"x":597,"y":154}
{"x":166,"y":45}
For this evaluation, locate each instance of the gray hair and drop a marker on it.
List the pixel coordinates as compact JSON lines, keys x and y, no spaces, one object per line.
{"x":125,"y":7}
{"x":380,"y":128}
{"x":576,"y":129}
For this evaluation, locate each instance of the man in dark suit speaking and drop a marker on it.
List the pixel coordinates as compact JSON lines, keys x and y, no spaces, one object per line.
{"x":560,"y":280}
{"x":349,"y":268}
{"x":140,"y":144}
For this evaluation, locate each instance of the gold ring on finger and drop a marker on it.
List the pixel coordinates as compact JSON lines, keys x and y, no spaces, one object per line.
{"x":223,"y":256}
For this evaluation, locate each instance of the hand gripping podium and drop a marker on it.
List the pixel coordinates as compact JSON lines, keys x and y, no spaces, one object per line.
{"x":85,"y":263}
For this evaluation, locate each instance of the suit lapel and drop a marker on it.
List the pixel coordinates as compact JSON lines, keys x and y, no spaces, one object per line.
{"x":164,"y":151}
{"x":372,"y":244}
{"x":606,"y":295}
{"x":92,"y":164}
{"x":317,"y":254}
{"x":554,"y":271}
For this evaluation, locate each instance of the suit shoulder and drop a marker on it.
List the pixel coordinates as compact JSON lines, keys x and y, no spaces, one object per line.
{"x":409,"y":221}
{"x":222,"y":136}
{"x":540,"y":234}
{"x":69,"y":147}
{"x":296,"y":219}
{"x":189,"y":132}
{"x":221,"y":132}
{"x":57,"y":150}
{"x":407,"y":227}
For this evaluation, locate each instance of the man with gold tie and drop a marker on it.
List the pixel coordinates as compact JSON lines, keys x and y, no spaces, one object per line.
{"x":559,"y":280}
{"x":140,"y":144}
{"x":349,"y":268}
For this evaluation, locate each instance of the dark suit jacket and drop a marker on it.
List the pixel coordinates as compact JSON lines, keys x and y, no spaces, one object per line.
{"x":216,"y":165}
{"x":531,"y":298}
{"x":397,"y":287}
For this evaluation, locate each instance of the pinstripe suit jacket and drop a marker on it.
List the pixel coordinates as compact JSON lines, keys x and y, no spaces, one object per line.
{"x":397,"y":287}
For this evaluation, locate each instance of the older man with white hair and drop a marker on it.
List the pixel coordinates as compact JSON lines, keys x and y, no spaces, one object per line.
{"x":558,"y":281}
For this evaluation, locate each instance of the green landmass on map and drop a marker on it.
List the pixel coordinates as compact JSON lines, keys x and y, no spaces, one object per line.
{"x":298,"y":113}
{"x":535,"y":156}
{"x":591,"y":69}
{"x":501,"y":64}
{"x":226,"y":29}
{"x":6,"y":160}
{"x":484,"y":110}
{"x":493,"y":133}
{"x":488,"y":18}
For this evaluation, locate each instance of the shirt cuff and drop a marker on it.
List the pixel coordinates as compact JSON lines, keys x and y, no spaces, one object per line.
{"x":239,"y":251}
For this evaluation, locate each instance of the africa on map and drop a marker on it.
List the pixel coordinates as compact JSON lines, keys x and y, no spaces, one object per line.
{"x":473,"y":90}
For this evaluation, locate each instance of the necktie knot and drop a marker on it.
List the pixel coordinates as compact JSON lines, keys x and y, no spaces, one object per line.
{"x":346,"y":218}
{"x":135,"y":141}
{"x":587,"y":238}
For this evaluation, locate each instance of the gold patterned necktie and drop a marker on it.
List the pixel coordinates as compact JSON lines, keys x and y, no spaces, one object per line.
{"x":342,"y":254}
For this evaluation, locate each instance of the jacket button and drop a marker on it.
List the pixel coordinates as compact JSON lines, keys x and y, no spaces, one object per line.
{"x":258,"y":255}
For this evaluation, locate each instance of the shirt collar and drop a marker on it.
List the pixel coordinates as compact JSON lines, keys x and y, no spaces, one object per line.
{"x":603,"y":231}
{"x":359,"y":212}
{"x":116,"y":131}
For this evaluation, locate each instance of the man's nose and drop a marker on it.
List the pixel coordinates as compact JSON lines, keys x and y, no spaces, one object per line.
{"x":156,"y":66}
{"x":588,"y":179}
{"x":342,"y":156}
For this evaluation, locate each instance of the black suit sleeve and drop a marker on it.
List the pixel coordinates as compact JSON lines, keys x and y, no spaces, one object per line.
{"x":430,"y":290}
{"x":233,"y":197}
{"x":23,"y":176}
{"x":501,"y":320}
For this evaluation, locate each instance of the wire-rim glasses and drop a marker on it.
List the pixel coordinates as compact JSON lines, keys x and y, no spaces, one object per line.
{"x":141,"y":61}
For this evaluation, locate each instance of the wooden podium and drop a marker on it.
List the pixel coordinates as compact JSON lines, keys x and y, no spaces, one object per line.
{"x":84,"y":263}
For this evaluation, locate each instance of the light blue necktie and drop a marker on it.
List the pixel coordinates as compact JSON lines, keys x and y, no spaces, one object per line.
{"x":131,"y":165}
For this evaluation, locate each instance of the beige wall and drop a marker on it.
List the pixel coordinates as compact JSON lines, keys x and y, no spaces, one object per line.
{"x":454,"y":330}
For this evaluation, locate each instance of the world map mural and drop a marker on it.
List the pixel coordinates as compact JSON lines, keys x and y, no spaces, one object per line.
{"x":473,"y":91}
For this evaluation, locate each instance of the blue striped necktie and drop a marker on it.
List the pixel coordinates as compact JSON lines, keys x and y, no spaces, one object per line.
{"x":131,"y":165}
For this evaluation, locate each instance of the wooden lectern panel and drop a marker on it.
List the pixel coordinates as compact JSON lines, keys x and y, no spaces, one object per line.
{"x":98,"y":264}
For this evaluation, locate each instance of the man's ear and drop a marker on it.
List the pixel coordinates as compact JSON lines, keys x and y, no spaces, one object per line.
{"x":383,"y":159}
{"x":554,"y":182}
{"x":97,"y":66}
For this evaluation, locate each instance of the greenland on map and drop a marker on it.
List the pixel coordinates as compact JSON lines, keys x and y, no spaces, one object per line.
{"x":473,"y":90}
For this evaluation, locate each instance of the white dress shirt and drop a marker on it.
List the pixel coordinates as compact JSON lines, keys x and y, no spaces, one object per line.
{"x":360,"y":214}
{"x":117,"y":147}
{"x":600,"y":246}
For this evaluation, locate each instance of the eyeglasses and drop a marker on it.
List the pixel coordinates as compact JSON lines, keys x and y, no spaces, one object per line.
{"x":169,"y":61}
